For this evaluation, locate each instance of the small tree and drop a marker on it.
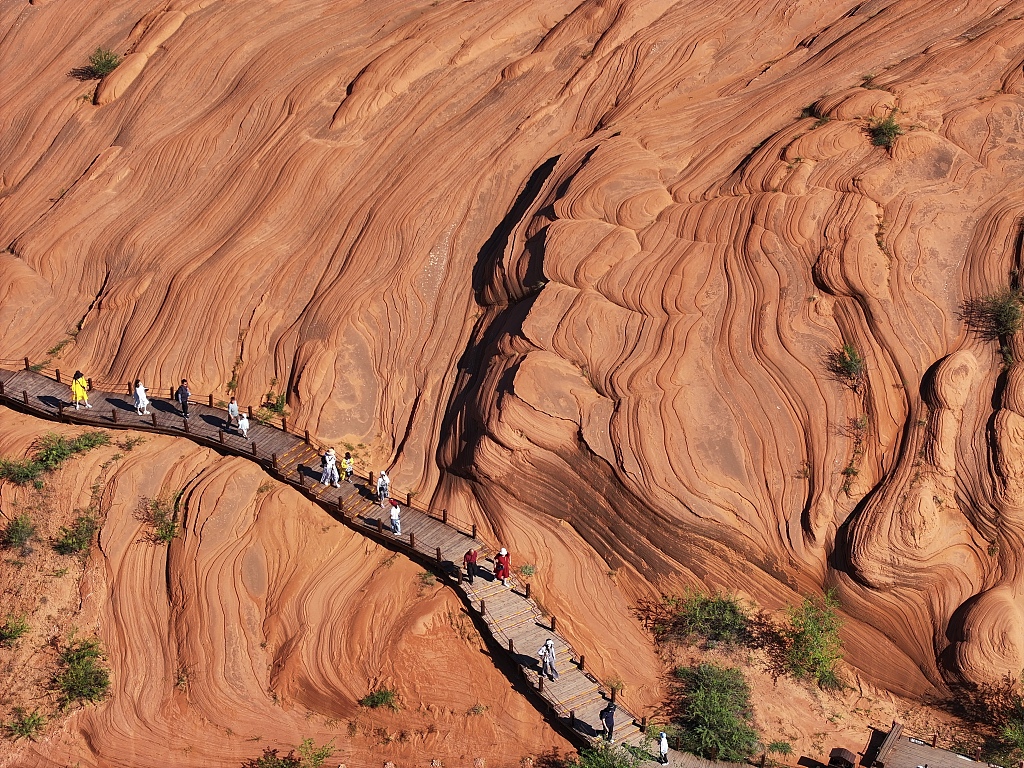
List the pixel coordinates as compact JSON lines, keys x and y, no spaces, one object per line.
{"x":885,"y":130}
{"x":815,"y":647}
{"x":996,"y":315}
{"x":718,"y":718}
{"x":103,"y":62}
{"x":848,"y":366}
{"x":716,"y":617}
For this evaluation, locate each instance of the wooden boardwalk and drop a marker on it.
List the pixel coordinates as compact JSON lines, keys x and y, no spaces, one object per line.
{"x":514,"y":622}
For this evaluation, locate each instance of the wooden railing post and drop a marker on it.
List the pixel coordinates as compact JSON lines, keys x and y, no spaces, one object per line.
{"x":60,"y":411}
{"x":554,"y":624}
{"x":380,"y":525}
{"x":27,"y":366}
{"x":527,"y":590}
{"x":284,"y":424}
{"x":572,"y":718}
{"x":220,"y":436}
{"x":370,"y":478}
{"x":172,"y":393}
{"x":583,"y":663}
{"x":444,"y":516}
{"x":613,"y":690}
{"x":153,"y":414}
{"x":250,"y":411}
{"x":302,"y":480}
{"x":273,"y":460}
{"x":24,"y":396}
{"x":130,"y":388}
{"x":254,"y":453}
{"x":1,"y":387}
{"x":511,"y":646}
{"x":306,"y":436}
{"x":88,"y":384}
{"x":474,"y":530}
{"x":412,"y":539}
{"x":185,"y":422}
{"x":408,"y":499}
{"x":341,"y":505}
{"x":113,"y":415}
{"x":439,"y":554}
{"x":483,"y":608}
{"x":57,"y":372}
{"x":211,"y":400}
{"x":540,"y":683}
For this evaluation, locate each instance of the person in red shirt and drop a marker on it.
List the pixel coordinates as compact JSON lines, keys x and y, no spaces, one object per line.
{"x":503,"y":566}
{"x":469,"y":560}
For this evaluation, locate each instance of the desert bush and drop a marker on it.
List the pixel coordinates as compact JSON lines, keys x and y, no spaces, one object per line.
{"x":13,"y":628}
{"x":18,"y":531}
{"x":605,"y":756}
{"x":717,"y":716}
{"x":78,"y":537}
{"x":815,"y":647}
{"x":20,"y":472}
{"x":53,"y":451}
{"x":271,"y":759}
{"x":24,"y":724}
{"x":103,"y":62}
{"x":848,"y":366}
{"x":161,"y":517}
{"x":716,"y":617}
{"x":885,"y":130}
{"x":82,"y":676}
{"x":527,"y":570}
{"x":382,"y":697}
{"x":995,"y":315}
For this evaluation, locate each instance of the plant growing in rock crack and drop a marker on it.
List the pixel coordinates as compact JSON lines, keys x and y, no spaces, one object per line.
{"x":381,"y":697}
{"x":885,"y":130}
{"x":161,"y":517}
{"x":24,"y":724}
{"x":995,"y":316}
{"x":103,"y":62}
{"x":848,"y":366}
{"x":78,"y":537}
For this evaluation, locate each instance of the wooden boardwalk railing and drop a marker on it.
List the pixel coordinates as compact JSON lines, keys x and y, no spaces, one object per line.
{"x":512,"y":619}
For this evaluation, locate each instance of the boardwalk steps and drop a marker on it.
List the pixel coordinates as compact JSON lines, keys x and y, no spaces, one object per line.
{"x":510,"y":619}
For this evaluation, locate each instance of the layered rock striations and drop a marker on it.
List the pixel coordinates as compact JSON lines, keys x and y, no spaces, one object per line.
{"x":579,"y":270}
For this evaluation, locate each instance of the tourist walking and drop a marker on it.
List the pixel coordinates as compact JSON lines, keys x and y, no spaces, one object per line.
{"x":383,"y":488}
{"x":243,"y":425}
{"x":141,"y":401}
{"x":607,"y":716}
{"x":396,"y":518}
{"x":546,"y":654}
{"x":347,"y":467}
{"x":469,"y":560}
{"x":233,"y":413}
{"x":80,"y":390}
{"x":329,"y":463}
{"x":503,"y":566}
{"x":663,"y":745}
{"x":182,"y":396}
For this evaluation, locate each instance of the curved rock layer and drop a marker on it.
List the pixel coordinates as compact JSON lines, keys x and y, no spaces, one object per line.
{"x":262,"y":624}
{"x":571,"y":261}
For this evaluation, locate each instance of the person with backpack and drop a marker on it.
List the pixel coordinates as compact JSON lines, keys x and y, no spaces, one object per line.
{"x":80,"y":390}
{"x":503,"y":566}
{"x":383,"y":488}
{"x":141,"y":401}
{"x":546,"y":654}
{"x":396,"y":518}
{"x":469,"y":560}
{"x":607,"y":716}
{"x":329,"y":465}
{"x":182,"y":396}
{"x":347,"y":467}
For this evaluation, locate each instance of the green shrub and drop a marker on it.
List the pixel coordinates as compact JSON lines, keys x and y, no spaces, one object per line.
{"x":717,"y":721}
{"x":271,"y":759}
{"x":103,"y":62}
{"x":20,"y":472}
{"x":78,"y":537}
{"x":529,"y":569}
{"x":161,"y":517}
{"x":382,"y":697}
{"x":815,"y":647}
{"x":779,"y":748}
{"x":605,"y":756}
{"x":848,"y":366}
{"x":82,"y":676}
{"x":12,"y":629}
{"x":17,"y":533}
{"x":716,"y":617}
{"x":885,"y":130}
{"x":25,"y":725}
{"x":995,"y":315}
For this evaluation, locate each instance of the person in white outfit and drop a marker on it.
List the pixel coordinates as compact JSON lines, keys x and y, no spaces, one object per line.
{"x":141,"y":401}
{"x":329,"y":463}
{"x":396,"y":518}
{"x":663,"y":744}
{"x":383,"y":488}
{"x":243,"y":425}
{"x":546,"y":653}
{"x":233,"y":413}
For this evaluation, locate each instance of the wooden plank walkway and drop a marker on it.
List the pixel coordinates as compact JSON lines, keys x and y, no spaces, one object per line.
{"x":514,"y":622}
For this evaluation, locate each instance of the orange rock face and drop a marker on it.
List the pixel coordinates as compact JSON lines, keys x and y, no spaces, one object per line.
{"x":575,"y":270}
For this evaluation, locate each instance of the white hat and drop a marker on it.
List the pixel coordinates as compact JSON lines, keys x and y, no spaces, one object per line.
{"x":503,"y":551}
{"x":549,"y":642}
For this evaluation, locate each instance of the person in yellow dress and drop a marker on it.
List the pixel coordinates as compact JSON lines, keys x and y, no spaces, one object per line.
{"x":80,"y":390}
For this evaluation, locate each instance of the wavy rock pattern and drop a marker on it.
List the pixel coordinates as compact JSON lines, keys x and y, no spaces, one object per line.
{"x":261,"y":625}
{"x":571,"y":261}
